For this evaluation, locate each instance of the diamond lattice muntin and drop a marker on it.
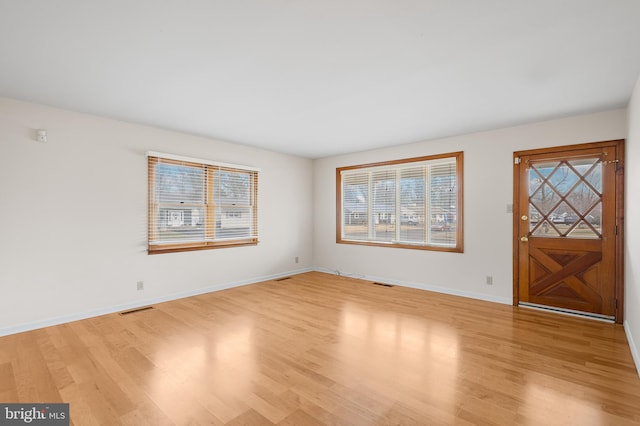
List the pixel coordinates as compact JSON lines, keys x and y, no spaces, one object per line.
{"x":565,"y":198}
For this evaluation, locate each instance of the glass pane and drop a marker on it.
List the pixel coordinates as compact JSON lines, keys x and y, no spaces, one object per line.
{"x":594,"y":177}
{"x":565,"y":198}
{"x":544,"y":229}
{"x":584,"y":165}
{"x":355,"y":206}
{"x":594,"y":217}
{"x":232,"y":187}
{"x":180,"y":224}
{"x":544,"y":169}
{"x":179,"y":184}
{"x":563,"y":179}
{"x":544,"y":199}
{"x":443,"y":204}
{"x":412,"y":204}
{"x":583,"y":230}
{"x":535,"y":180}
{"x":233,"y":222}
{"x":384,"y":205}
{"x":563,"y":215}
{"x":582,"y":198}
{"x":534,"y":217}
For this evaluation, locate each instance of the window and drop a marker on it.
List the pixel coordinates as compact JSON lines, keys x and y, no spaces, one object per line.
{"x":413,"y":203}
{"x":198,"y":204}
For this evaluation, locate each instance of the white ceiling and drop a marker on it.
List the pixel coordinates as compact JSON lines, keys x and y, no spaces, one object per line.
{"x":324,"y":77}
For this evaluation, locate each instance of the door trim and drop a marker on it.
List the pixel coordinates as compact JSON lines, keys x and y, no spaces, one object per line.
{"x":618,"y":144}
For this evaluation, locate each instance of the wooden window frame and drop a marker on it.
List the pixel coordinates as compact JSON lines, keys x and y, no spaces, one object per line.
{"x":459,"y":243}
{"x":209,"y":241}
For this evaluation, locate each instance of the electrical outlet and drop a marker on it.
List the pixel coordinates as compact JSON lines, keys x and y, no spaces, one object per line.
{"x":297,"y":260}
{"x":140,"y":285}
{"x":489,"y":280}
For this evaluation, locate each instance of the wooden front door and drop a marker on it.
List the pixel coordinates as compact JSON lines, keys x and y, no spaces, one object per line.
{"x":568,"y":228}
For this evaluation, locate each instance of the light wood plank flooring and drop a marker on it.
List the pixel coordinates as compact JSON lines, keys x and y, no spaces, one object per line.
{"x":319,"y":349}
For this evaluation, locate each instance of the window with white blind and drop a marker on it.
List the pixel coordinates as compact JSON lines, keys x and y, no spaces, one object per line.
{"x":412,"y":203}
{"x":198,"y":204}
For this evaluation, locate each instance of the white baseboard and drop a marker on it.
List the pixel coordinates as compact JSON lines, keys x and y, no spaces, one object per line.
{"x":632,"y":345}
{"x":422,"y":286}
{"x":140,"y":303}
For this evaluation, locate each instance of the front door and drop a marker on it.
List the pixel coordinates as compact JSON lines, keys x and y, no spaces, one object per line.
{"x":568,"y":228}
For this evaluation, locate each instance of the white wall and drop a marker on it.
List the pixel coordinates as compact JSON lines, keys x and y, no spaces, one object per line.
{"x":488,"y":176}
{"x":632,"y":223}
{"x":73,"y":217}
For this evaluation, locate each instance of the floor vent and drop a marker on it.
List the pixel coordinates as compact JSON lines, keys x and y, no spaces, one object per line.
{"x":283,"y":279}
{"x":133,"y":311}
{"x":383,"y":284}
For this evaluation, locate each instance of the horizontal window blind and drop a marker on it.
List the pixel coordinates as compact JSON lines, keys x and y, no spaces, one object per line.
{"x":355,"y":201}
{"x":413,"y":203}
{"x":198,"y":204}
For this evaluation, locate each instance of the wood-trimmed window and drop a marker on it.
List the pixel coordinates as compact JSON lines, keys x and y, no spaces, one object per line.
{"x":412,"y":203}
{"x":199,"y":204}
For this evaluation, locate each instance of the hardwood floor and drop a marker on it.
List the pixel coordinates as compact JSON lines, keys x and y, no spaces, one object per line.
{"x":319,"y":349}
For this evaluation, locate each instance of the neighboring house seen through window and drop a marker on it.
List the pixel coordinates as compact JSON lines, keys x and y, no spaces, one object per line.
{"x":412,"y":203}
{"x":198,"y":204}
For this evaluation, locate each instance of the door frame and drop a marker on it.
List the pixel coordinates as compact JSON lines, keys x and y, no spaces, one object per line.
{"x":618,"y":144}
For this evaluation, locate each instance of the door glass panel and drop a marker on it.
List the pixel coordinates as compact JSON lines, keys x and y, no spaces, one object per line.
{"x":583,"y":230}
{"x":535,"y":180}
{"x":594,"y":217}
{"x":594,"y":178}
{"x":585,"y":166}
{"x":544,"y":199}
{"x":565,"y":198}
{"x":544,"y":229}
{"x":544,"y":169}
{"x":563,"y":179}
{"x":563,"y":215}
{"x":583,"y":198}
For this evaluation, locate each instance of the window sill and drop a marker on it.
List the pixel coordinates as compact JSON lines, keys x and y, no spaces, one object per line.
{"x":402,"y":245}
{"x":175,"y":248}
